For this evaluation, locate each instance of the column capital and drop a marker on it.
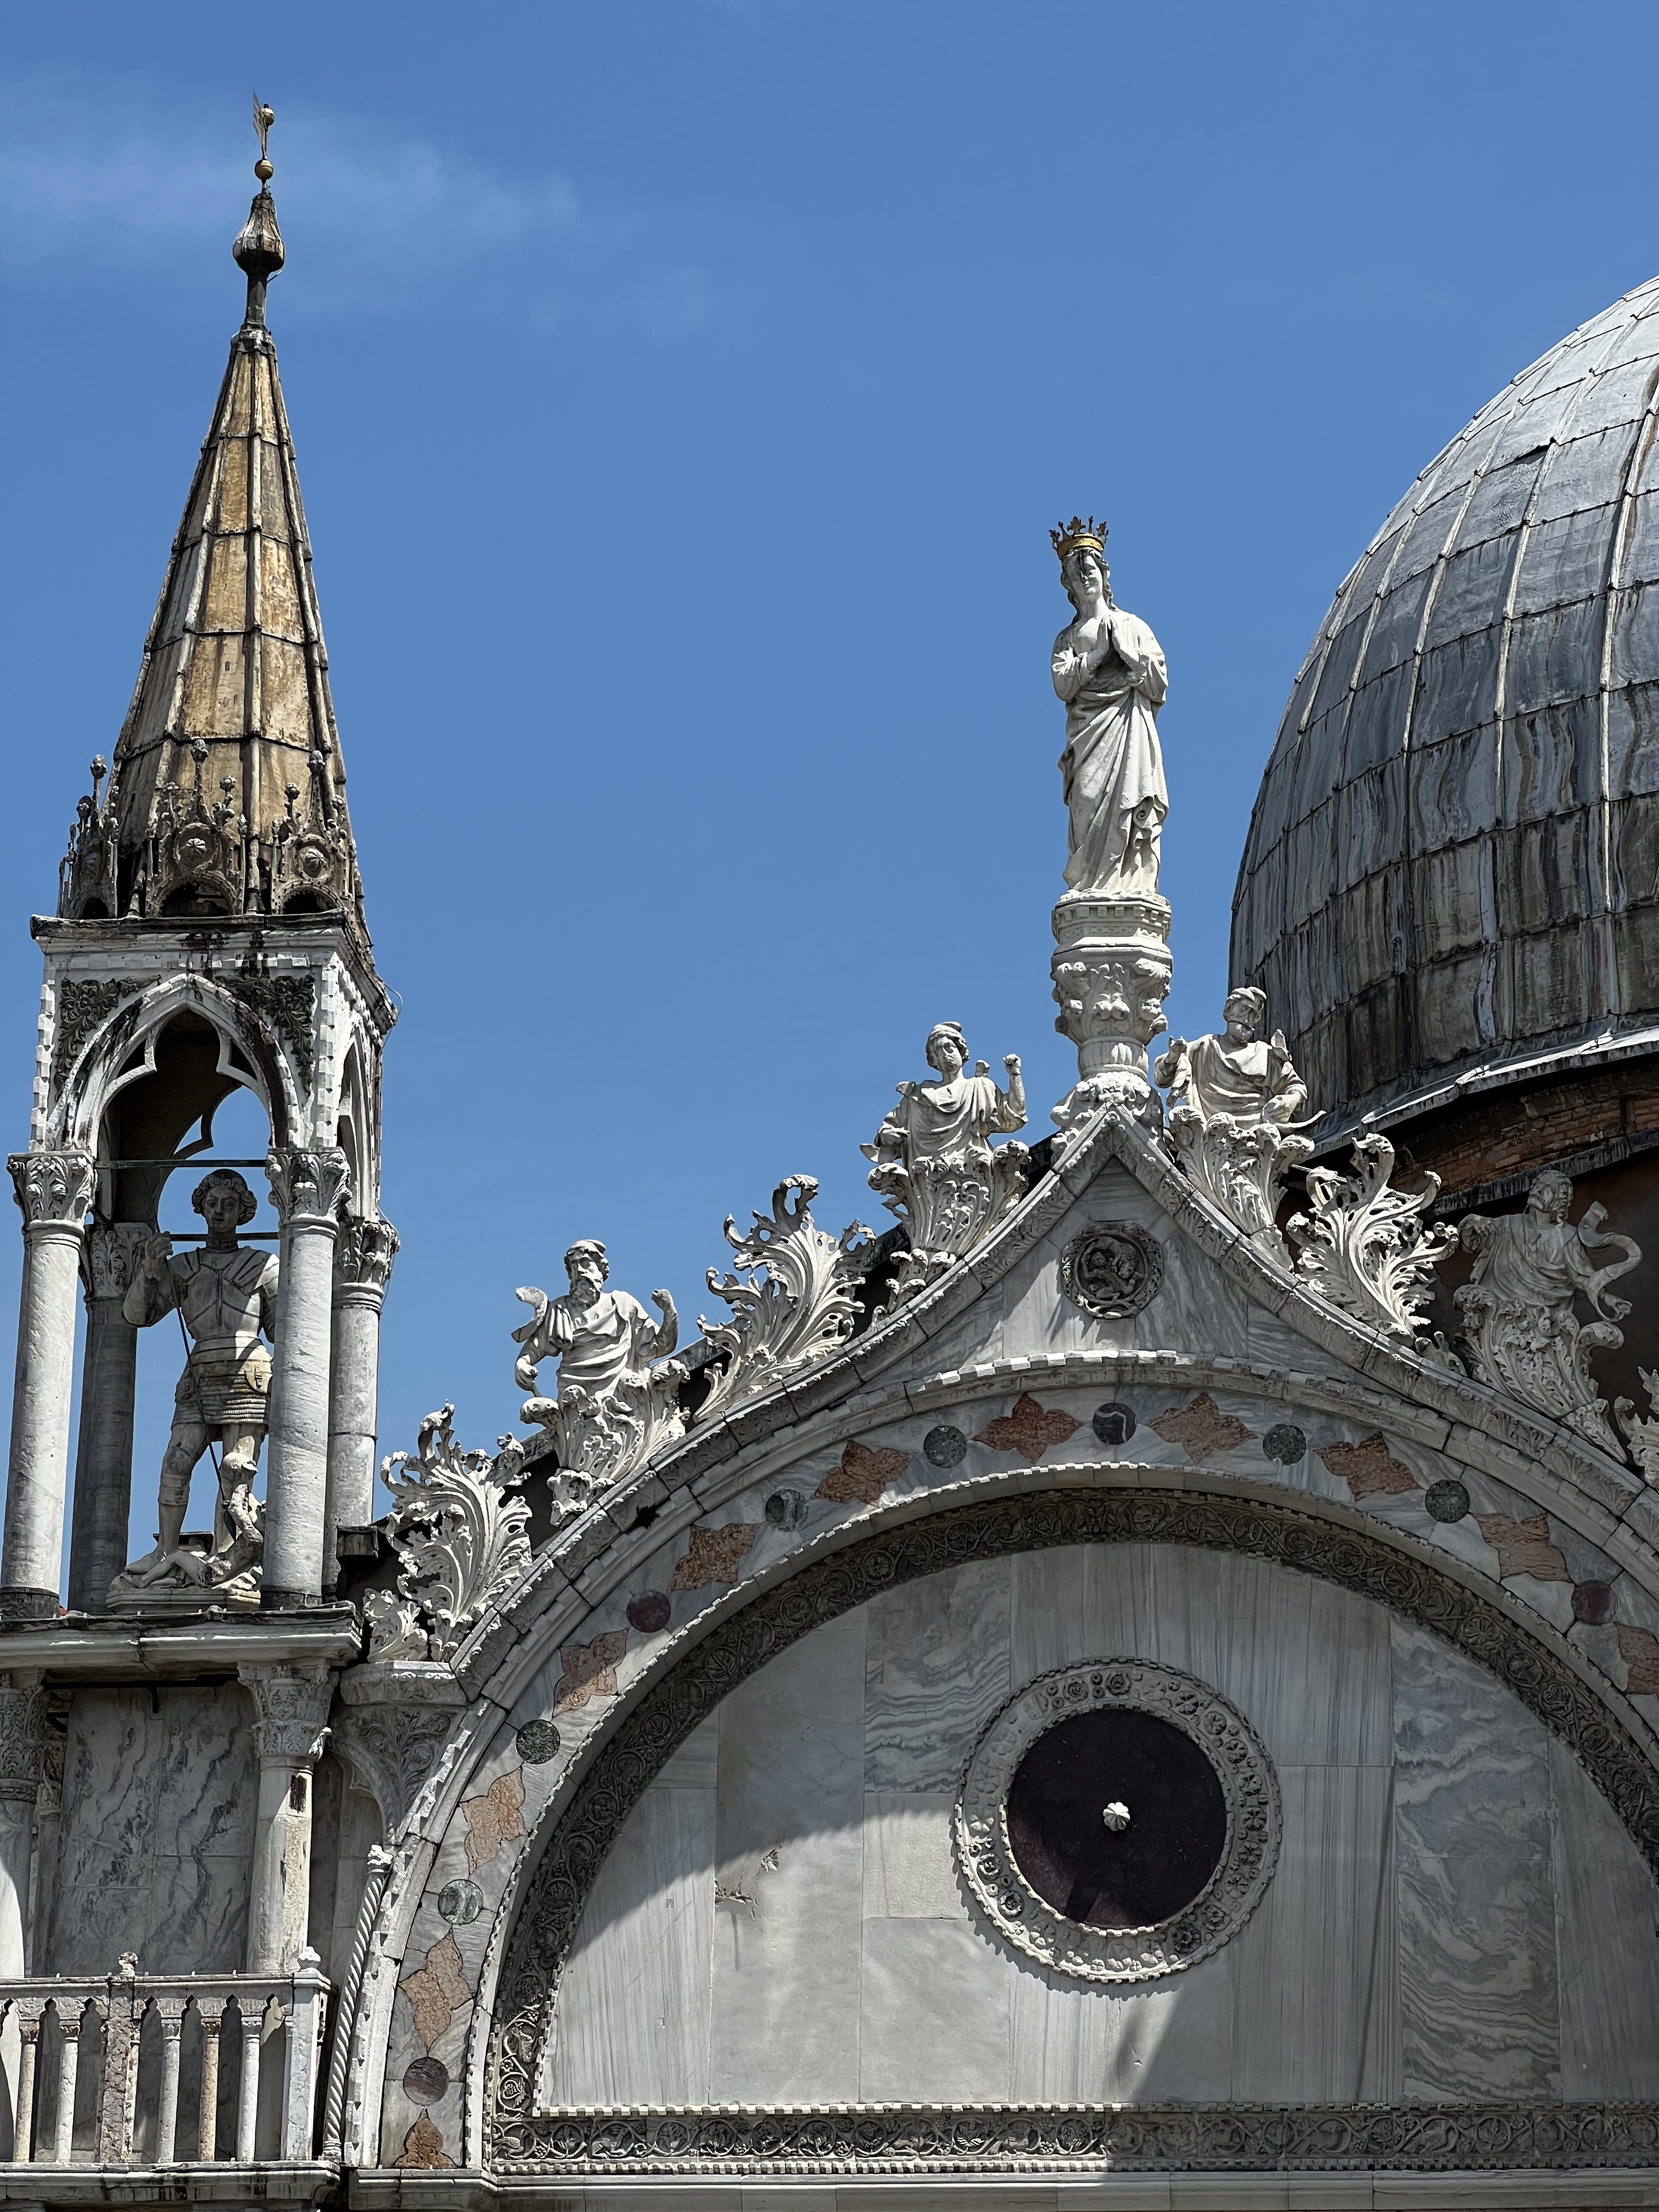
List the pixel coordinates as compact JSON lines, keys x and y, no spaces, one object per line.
{"x":363,"y":1254}
{"x":22,"y":1731}
{"x":54,"y":1189}
{"x":308,"y":1184}
{"x":291,"y":1704}
{"x":110,"y":1257}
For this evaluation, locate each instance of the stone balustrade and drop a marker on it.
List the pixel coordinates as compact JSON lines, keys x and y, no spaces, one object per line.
{"x":100,"y":2077}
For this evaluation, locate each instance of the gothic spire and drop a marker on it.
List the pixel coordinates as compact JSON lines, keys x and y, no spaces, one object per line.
{"x":227,"y":791}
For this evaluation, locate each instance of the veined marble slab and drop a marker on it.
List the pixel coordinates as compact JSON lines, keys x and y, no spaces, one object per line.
{"x":1608,"y":1953}
{"x":936,"y":1669}
{"x":790,"y":1858}
{"x":157,"y":1831}
{"x":910,"y":1864}
{"x":1474,"y":1849}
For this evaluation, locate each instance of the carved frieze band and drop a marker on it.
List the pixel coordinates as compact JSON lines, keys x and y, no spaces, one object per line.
{"x":1023,"y":2138}
{"x":1413,"y":1587}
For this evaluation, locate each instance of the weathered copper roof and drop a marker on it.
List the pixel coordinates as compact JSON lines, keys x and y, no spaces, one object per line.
{"x":1454,"y":861}
{"x":227,"y":791}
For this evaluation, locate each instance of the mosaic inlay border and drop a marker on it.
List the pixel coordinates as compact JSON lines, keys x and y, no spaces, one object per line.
{"x":1413,"y":1587}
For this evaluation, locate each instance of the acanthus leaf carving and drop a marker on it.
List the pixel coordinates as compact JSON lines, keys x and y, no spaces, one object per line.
{"x":457,"y":1532}
{"x":797,"y":1304}
{"x":1367,"y":1247}
{"x":364,"y":1251}
{"x":308,"y":1183}
{"x":1521,"y":1333}
{"x":54,"y":1189}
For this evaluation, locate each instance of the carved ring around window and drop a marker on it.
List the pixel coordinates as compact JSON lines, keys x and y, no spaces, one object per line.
{"x":1112,"y":1269}
{"x":1180,"y":1774}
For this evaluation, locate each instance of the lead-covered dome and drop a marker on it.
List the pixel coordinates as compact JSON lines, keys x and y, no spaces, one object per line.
{"x":1453,"y":867}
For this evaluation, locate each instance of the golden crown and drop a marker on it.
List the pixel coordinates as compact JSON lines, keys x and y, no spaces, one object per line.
{"x":1077,"y":532}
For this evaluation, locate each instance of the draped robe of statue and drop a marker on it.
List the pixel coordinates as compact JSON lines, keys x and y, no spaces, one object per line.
{"x":1112,"y":764}
{"x":598,"y":1345}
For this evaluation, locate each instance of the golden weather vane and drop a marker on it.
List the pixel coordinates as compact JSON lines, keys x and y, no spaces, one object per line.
{"x":263,"y":117}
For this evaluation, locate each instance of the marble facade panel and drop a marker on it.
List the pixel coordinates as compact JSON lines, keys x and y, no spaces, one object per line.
{"x":787,"y":1950}
{"x":1476,"y":1886}
{"x":933,"y":2024}
{"x":936,"y":1669}
{"x":1607,"y":1959}
{"x":157,"y":1831}
{"x":1316,"y":2014}
{"x":910,"y":1865}
{"x":633,"y":2012}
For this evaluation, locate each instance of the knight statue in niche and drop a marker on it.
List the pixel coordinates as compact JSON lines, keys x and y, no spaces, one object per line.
{"x":225,"y":1294}
{"x":1519,"y":1327}
{"x":614,"y":1407}
{"x":1233,"y":1098}
{"x":933,"y":1163}
{"x":1108,"y":669}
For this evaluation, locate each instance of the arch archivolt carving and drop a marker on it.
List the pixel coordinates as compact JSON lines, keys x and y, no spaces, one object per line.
{"x":543,"y":1889}
{"x":120,"y":1048}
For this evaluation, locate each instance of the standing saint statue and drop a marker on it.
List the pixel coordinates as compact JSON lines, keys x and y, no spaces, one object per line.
{"x":225,"y":1296}
{"x":614,"y":1407}
{"x":1108,"y":669}
{"x":934,"y":1165}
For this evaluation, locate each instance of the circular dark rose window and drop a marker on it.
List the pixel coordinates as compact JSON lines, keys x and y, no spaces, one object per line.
{"x":1116,"y":1819}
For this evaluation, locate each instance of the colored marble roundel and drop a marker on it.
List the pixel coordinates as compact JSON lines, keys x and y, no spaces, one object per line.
{"x":461,"y":1900}
{"x":1447,"y":1500}
{"x":786,"y":1508}
{"x":1113,"y":1422}
{"x":1285,"y":1442}
{"x":538,"y":1742}
{"x":426,"y":2080}
{"x":649,"y":1611}
{"x":1112,"y":1269}
{"x":945,"y":1446}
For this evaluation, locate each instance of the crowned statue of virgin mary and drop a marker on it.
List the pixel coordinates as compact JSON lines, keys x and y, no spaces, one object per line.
{"x":1108,"y":669}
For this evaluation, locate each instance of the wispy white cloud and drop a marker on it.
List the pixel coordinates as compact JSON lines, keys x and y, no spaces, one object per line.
{"x":87,"y":190}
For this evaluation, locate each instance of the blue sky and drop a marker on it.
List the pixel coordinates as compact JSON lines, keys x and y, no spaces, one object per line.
{"x":682,"y":392}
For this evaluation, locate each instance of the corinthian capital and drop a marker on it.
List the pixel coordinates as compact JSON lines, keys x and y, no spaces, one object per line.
{"x":22,"y":1726}
{"x":53,"y":1189}
{"x":364,"y":1252}
{"x":110,"y":1257}
{"x":290,"y":1705}
{"x":307,"y":1185}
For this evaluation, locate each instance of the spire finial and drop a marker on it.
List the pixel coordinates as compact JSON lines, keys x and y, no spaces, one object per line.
{"x":258,"y":249}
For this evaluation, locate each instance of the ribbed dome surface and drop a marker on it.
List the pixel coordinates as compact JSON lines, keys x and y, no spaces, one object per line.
{"x":1454,"y":858}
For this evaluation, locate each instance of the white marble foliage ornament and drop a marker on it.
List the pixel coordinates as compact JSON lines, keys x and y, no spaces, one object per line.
{"x":934,"y":1165}
{"x":1234,"y":1098}
{"x":1519,"y":1326}
{"x":797,"y":1305}
{"x":1641,"y":1430}
{"x":460,"y":1535}
{"x":1367,"y":1247}
{"x":615,"y":1406}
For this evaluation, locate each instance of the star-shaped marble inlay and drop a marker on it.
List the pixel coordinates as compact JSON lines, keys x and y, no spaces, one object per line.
{"x":1029,"y":1430}
{"x":862,"y":1474}
{"x":1201,"y":1428}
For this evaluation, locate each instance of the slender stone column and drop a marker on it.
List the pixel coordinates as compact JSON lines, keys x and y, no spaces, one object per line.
{"x":1111,"y":971}
{"x":103,"y":1452}
{"x":305,"y":1188}
{"x":22,"y":1726}
{"x":54,"y":1190}
{"x":291,"y":1706}
{"x":362,"y":1266}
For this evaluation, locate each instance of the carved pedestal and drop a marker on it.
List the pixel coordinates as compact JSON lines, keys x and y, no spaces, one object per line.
{"x":1111,"y":972}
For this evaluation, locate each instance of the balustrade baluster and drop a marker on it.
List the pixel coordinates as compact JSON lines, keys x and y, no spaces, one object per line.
{"x":247,"y":2107}
{"x":166,"y":2119}
{"x":69,"y":2067}
{"x":23,"y":2136}
{"x":207,"y":2146}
